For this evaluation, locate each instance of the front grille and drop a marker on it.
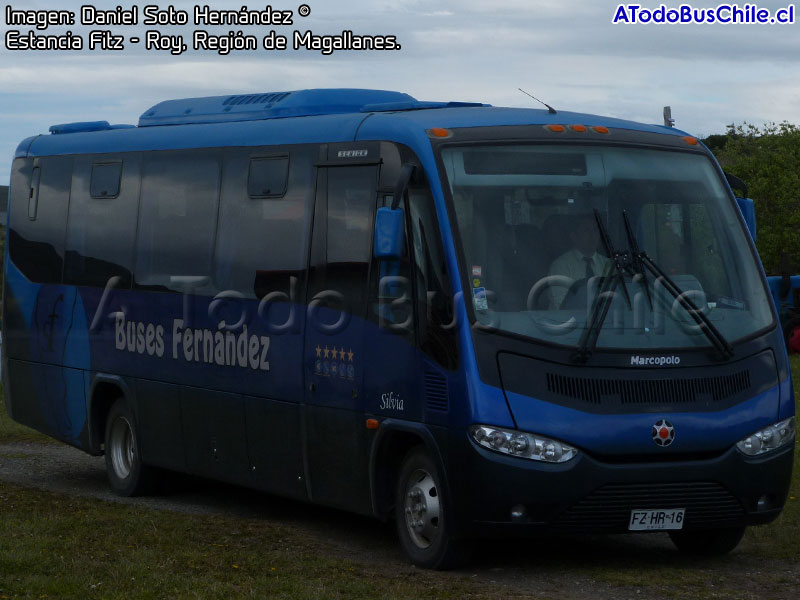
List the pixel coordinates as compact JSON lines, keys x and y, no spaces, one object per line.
{"x":650,"y":391}
{"x":608,"y":509}
{"x":622,"y":390}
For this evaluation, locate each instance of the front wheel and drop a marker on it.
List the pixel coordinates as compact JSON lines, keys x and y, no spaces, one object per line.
{"x":707,"y":542}
{"x":127,"y":476}
{"x":421,"y":516}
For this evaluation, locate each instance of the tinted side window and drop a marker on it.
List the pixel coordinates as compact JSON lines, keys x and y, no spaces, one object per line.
{"x":101,"y":229}
{"x":33,"y":193}
{"x":351,"y":209}
{"x":36,"y":244}
{"x":351,"y":200}
{"x":105,"y":180}
{"x":435,"y":293}
{"x":268,"y":176}
{"x":177,"y":219}
{"x":263,"y":243}
{"x":342,"y":248}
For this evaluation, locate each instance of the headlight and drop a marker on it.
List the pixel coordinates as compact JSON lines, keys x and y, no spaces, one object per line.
{"x":768,"y":439}
{"x":524,"y":445}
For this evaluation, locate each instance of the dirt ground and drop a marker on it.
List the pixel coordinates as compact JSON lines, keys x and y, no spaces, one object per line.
{"x":597,"y":567}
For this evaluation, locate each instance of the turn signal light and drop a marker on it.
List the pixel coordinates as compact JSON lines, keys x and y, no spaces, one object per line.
{"x":440,"y":132}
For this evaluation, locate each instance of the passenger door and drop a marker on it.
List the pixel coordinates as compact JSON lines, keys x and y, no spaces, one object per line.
{"x":334,"y":358}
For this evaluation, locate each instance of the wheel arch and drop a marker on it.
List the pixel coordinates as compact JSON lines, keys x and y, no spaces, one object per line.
{"x":394,"y":440}
{"x":105,"y":389}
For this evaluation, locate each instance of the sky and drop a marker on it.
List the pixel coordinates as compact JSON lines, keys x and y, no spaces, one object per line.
{"x":566,"y":52}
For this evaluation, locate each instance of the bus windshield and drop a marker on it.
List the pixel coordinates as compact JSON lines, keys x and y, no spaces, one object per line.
{"x":542,"y":229}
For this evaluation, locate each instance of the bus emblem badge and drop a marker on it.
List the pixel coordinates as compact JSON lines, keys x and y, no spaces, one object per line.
{"x":663,"y":433}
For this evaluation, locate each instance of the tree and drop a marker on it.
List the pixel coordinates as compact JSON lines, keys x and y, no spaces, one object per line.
{"x":768,"y":160}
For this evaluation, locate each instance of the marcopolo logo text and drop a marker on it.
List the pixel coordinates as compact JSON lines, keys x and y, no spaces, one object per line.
{"x":657,"y":361}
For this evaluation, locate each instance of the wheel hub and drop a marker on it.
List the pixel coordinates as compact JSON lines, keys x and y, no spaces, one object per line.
{"x":122,"y":448}
{"x":422,"y":509}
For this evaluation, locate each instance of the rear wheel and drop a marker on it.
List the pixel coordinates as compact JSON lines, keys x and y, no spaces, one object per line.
{"x":707,"y":542}
{"x":421,"y":516}
{"x":127,"y":476}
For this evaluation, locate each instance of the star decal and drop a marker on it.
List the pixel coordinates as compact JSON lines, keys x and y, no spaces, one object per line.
{"x":327,"y":352}
{"x":319,"y":351}
{"x":350,"y":355}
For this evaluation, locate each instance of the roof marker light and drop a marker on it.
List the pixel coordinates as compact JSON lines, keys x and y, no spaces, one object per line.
{"x":692,"y":141}
{"x":578,"y":128}
{"x":600,"y":129}
{"x":440,"y":132}
{"x":372,"y":423}
{"x":555,"y":128}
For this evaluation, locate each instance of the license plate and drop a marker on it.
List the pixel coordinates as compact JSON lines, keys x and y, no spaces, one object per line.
{"x":658,"y":519}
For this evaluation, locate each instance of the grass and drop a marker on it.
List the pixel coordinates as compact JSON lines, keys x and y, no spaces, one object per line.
{"x":57,"y":546}
{"x":53,"y":545}
{"x":13,"y":432}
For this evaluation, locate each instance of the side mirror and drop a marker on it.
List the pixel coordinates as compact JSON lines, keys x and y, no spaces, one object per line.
{"x":749,"y":213}
{"x":736,"y":184}
{"x":746,"y":205}
{"x":389,"y":229}
{"x":388,"y":233}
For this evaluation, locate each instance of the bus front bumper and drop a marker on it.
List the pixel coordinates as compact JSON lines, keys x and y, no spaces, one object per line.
{"x":495,"y":494}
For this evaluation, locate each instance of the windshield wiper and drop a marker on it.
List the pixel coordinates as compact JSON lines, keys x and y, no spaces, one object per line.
{"x":636,"y":259}
{"x":638,"y":262}
{"x":602,"y":303}
{"x":642,"y":261}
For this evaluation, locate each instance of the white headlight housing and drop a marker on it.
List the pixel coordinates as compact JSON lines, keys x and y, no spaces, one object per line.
{"x":524,"y":445}
{"x":768,"y":439}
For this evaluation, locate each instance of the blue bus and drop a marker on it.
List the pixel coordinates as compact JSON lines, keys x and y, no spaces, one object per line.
{"x":479,"y":322}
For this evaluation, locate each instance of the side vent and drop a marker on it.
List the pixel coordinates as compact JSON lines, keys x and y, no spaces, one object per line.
{"x":435,"y":390}
{"x":255,"y":99}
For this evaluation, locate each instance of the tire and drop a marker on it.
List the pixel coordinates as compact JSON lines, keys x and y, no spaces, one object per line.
{"x":421,"y":516}
{"x":707,"y":542}
{"x":127,"y":476}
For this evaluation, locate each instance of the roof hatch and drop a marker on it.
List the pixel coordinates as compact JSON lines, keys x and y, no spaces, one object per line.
{"x":85,"y":126}
{"x":79,"y":127}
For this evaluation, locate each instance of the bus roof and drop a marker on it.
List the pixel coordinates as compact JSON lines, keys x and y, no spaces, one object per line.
{"x":304,"y":116}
